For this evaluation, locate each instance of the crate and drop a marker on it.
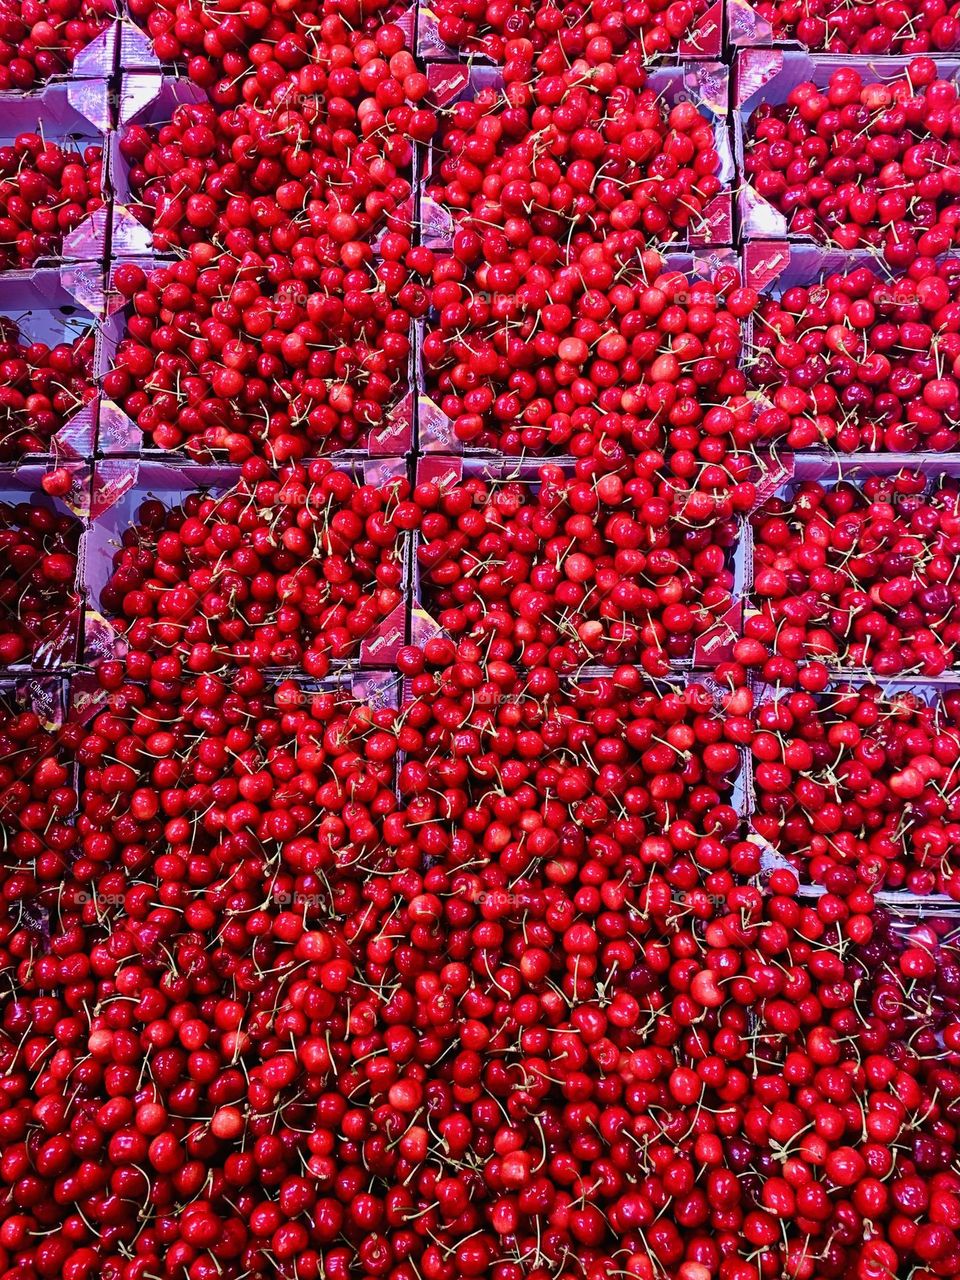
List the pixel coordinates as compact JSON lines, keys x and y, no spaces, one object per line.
{"x":705,"y":83}
{"x":774,"y":266}
{"x":746,"y":28}
{"x":53,"y":306}
{"x":22,"y":484}
{"x":712,"y":647}
{"x":135,"y":49}
{"x":76,"y":112}
{"x":738,"y":794}
{"x":769,"y":76}
{"x":796,"y":469}
{"x":119,"y":435}
{"x":120,"y":486}
{"x":704,"y":40}
{"x":435,"y":429}
{"x":926,"y":690}
{"x":150,"y":99}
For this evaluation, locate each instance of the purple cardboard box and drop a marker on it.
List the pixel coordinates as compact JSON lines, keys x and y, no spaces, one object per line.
{"x":119,"y":435}
{"x":434,"y":427}
{"x":703,"y":83}
{"x":713,"y":646}
{"x":22,"y":484}
{"x":769,"y":76}
{"x":121,"y":485}
{"x":76,"y":113}
{"x":56,"y":306}
{"x":703,"y":40}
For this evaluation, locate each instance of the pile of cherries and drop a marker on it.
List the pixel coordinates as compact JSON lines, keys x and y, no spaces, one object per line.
{"x":42,"y":388}
{"x":843,"y":1143}
{"x":608,"y":755}
{"x":46,"y":190}
{"x":862,"y":363}
{"x":305,"y":776}
{"x":880,"y":27}
{"x":244,"y":55}
{"x":855,"y":577}
{"x":645,"y":165}
{"x":290,"y":571}
{"x":564,"y":571}
{"x":534,"y":956}
{"x":267,"y":354}
{"x":372,"y":963}
{"x":864,"y":164}
{"x":39,"y":602}
{"x":541,"y":351}
{"x":488,"y":27}
{"x":857,"y":786}
{"x":41,"y":38}
{"x":302,"y":163}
